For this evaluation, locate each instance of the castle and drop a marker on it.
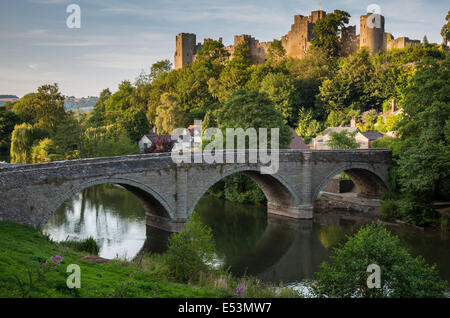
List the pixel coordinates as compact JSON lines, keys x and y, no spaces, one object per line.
{"x":298,"y":39}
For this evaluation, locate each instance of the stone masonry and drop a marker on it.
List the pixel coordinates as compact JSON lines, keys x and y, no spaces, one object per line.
{"x":169,"y":192}
{"x":298,"y":39}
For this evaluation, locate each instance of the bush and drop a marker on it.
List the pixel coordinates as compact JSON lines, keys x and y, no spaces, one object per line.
{"x":389,"y":210}
{"x":88,"y":245}
{"x":190,"y":251}
{"x":401,"y":274}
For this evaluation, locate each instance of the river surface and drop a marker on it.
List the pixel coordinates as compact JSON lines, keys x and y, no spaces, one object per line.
{"x":249,"y":242}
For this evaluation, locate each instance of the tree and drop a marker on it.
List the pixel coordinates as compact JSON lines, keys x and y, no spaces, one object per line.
{"x":281,"y":90}
{"x":135,"y":122}
{"x":98,"y":115}
{"x":106,"y":141}
{"x":306,"y":125}
{"x":253,"y":109}
{"x":45,"y":151}
{"x":234,"y":76}
{"x":169,"y":114}
{"x":350,"y":87}
{"x":342,"y":140}
{"x":445,"y":31}
{"x":159,"y":68}
{"x":242,"y":56}
{"x":44,"y":109}
{"x":67,"y":137}
{"x":369,"y":119}
{"x":423,"y":160}
{"x":326,"y":32}
{"x":190,"y":251}
{"x":8,"y":120}
{"x":276,"y":52}
{"x":22,"y":139}
{"x":119,"y":102}
{"x":401,"y":274}
{"x":214,"y":52}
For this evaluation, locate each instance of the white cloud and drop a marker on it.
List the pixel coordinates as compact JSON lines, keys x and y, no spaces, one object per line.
{"x":33,"y":66}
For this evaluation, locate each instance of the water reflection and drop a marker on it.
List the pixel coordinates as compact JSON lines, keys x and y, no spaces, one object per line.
{"x":111,"y":215}
{"x":247,"y":240}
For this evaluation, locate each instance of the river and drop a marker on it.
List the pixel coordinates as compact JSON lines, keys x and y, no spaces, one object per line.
{"x":247,"y":241}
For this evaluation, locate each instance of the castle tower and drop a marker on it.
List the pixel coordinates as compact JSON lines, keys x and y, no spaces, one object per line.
{"x":372,"y":32}
{"x":186,"y":48}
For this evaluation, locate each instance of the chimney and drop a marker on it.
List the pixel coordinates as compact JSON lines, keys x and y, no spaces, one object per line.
{"x":353,"y":123}
{"x":394,"y":104}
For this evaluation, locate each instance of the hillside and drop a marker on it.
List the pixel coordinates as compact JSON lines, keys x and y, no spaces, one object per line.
{"x":85,"y":104}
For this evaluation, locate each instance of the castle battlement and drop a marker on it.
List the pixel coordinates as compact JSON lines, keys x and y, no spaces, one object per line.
{"x":297,"y":41}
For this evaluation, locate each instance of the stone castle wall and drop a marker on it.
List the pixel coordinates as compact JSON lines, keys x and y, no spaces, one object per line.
{"x":297,"y":41}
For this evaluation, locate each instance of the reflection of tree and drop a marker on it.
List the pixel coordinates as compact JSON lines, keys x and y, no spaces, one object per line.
{"x":330,"y":236}
{"x":236,"y":228}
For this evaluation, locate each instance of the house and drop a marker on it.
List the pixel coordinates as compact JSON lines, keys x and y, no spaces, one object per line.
{"x":321,"y":141}
{"x":365,"y":138}
{"x":146,"y":141}
{"x":297,"y":142}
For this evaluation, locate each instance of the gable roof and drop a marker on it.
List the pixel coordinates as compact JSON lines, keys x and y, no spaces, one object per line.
{"x":371,"y":135}
{"x":297,"y":142}
{"x":339,"y":129}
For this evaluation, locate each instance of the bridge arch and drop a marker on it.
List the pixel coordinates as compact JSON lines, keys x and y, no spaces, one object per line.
{"x":152,"y":201}
{"x":277,"y":191}
{"x":367,"y":180}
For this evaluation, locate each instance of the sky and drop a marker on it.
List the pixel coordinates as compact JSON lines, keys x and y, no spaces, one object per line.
{"x":118,"y":39}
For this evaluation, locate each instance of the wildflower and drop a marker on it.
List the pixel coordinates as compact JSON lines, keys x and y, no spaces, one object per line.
{"x":240,"y":290}
{"x":46,"y":262}
{"x":134,"y":283}
{"x":124,"y":284}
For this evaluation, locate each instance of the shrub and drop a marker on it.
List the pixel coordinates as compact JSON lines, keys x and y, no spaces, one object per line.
{"x":190,"y":251}
{"x":389,"y":210}
{"x":88,"y":245}
{"x":401,"y":274}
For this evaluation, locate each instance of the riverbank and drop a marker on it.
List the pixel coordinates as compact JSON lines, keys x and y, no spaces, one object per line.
{"x":24,"y":251}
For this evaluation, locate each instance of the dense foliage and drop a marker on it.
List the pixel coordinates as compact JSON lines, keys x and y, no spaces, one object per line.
{"x":401,"y":274}
{"x":190,"y":251}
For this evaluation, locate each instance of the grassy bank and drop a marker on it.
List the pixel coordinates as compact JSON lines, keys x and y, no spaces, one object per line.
{"x":24,"y":251}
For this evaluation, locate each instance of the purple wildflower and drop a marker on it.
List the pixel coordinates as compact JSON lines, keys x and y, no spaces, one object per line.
{"x":240,"y":290}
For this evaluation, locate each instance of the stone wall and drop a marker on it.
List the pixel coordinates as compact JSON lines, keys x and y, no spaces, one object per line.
{"x":30,"y":194}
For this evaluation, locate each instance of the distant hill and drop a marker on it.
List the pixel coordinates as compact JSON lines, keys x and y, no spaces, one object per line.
{"x":85,"y":104}
{"x":7,"y":98}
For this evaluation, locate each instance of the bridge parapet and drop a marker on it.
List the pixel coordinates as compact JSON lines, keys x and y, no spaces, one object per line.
{"x":31,"y":193}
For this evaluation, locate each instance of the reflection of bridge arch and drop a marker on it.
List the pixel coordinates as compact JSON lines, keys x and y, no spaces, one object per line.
{"x":297,"y":249}
{"x":151,"y":200}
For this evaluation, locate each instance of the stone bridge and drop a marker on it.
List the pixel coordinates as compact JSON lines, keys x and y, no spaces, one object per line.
{"x":169,"y":192}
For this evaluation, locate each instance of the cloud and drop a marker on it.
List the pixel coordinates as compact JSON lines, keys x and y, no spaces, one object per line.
{"x":33,"y":66}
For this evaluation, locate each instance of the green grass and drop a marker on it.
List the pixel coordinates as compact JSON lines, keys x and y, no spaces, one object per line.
{"x":24,"y":249}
